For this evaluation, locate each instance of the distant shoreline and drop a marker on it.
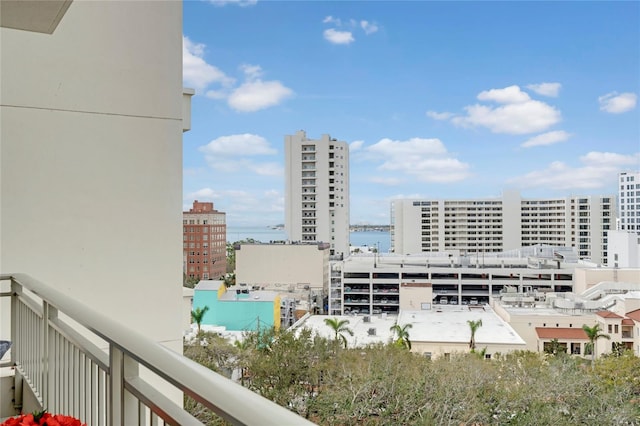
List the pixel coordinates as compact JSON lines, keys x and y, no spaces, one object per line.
{"x":365,"y":228}
{"x":352,"y":228}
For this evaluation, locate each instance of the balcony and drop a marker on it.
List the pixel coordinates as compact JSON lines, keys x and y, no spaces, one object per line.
{"x":70,"y":360}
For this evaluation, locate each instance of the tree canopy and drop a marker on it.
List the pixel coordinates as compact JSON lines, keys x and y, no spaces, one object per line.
{"x":387,"y":385}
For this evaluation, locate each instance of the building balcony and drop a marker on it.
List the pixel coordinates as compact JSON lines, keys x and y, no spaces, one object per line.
{"x":70,"y":360}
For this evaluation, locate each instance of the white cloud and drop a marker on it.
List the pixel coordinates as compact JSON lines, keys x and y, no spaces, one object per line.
{"x":241,"y":3}
{"x":426,"y":160}
{"x":439,"y":115}
{"x":267,"y":169}
{"x":548,"y":138}
{"x":231,"y":154}
{"x":546,"y":89}
{"x":508,"y":95}
{"x":387,"y":181}
{"x":253,"y":95}
{"x":517,"y":118}
{"x":355,"y":146}
{"x":241,"y":207}
{"x":251,"y":72}
{"x":331,"y":20}
{"x":196,"y":72}
{"x":338,"y":37}
{"x":256,"y":95}
{"x":598,"y":170}
{"x":245,"y":144}
{"x":216,"y":94}
{"x":368,"y":27}
{"x":615,"y":103}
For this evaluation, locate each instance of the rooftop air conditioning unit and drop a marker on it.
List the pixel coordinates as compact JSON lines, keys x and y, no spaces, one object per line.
{"x":372,"y":331}
{"x":367,"y":319}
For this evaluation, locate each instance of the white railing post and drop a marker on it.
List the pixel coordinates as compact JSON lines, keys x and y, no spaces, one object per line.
{"x":15,"y":351}
{"x":116,"y":386}
{"x":45,"y":360}
{"x":123,"y":407}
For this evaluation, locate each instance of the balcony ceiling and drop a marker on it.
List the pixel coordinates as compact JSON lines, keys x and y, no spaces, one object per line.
{"x":42,"y":16}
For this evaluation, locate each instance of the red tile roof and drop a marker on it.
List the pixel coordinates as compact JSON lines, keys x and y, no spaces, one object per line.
{"x":608,"y":314}
{"x":627,"y":321}
{"x":561,"y":333}
{"x":634,"y":315}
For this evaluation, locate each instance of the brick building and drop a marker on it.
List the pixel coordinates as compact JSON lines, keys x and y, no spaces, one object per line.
{"x":204,"y":241}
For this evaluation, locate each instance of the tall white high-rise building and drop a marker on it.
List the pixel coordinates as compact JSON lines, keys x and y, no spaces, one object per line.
{"x":501,"y":224}
{"x":629,"y":201}
{"x":317,"y":190}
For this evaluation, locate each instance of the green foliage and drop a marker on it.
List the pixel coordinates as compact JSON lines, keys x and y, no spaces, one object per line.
{"x":555,"y":348}
{"x":189,"y":282}
{"x":593,"y":334}
{"x":229,"y":279}
{"x":217,"y":354}
{"x":339,"y":327}
{"x":389,"y":385}
{"x":402,"y":335}
{"x":473,"y":326}
{"x":197,"y":315}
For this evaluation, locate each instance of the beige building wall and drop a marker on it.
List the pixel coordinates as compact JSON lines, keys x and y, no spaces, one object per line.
{"x":585,"y":278}
{"x":525,"y":322}
{"x":283,"y":266}
{"x":416,"y":296}
{"x":91,"y":138}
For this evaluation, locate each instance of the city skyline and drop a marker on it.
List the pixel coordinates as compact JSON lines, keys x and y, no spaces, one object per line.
{"x":436,"y":100}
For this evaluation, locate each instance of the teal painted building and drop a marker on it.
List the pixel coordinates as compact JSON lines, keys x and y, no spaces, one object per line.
{"x":237,"y":308}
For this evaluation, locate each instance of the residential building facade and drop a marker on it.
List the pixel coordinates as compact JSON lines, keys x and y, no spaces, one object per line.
{"x":317,"y":191}
{"x":558,"y":319}
{"x":501,"y":224}
{"x":629,"y":201}
{"x":204,"y":235}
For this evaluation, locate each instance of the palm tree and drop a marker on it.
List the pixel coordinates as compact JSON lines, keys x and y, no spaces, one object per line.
{"x":197,"y":315}
{"x":593,"y":334}
{"x":402,"y":335}
{"x":474,"y":326}
{"x":339,"y":327}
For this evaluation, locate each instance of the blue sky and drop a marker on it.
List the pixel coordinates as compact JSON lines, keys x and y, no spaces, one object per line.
{"x":436,"y":99}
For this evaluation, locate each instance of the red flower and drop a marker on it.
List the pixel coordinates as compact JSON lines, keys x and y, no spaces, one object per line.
{"x":42,"y":419}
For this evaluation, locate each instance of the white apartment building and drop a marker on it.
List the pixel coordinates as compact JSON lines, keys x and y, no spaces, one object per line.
{"x":505,"y":223}
{"x":317,"y":191}
{"x":629,"y":201}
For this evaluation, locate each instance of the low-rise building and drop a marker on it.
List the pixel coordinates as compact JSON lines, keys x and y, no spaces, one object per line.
{"x":293,"y":270}
{"x":237,"y":308}
{"x":434,"y":332}
{"x":558,"y":318}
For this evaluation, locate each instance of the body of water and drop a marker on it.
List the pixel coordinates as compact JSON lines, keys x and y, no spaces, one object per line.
{"x":265,"y":234}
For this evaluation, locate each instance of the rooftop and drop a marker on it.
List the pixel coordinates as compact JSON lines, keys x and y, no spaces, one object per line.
{"x":445,"y":324}
{"x":449,"y":324}
{"x":561,"y":333}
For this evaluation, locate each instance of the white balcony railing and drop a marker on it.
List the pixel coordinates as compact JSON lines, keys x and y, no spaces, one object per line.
{"x":76,"y":362}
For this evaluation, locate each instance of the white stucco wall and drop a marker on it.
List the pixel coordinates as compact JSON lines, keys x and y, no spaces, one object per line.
{"x":91,"y":138}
